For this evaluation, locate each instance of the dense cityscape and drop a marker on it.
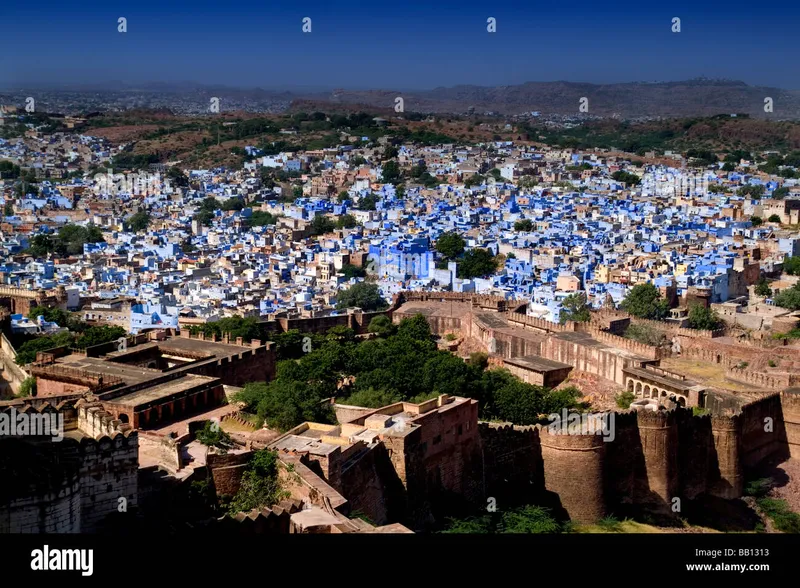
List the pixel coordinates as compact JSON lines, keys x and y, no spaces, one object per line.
{"x":260,"y":310}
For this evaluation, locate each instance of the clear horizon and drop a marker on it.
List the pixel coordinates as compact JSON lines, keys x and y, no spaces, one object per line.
{"x":411,"y":46}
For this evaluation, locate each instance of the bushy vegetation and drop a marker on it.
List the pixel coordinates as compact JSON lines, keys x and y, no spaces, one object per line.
{"x":788,"y":298}
{"x":246,"y":328}
{"x":211,"y":435}
{"x":778,"y":510}
{"x":261,"y":485}
{"x":624,"y":399}
{"x":703,"y":318}
{"x":524,"y":519}
{"x":26,"y":353}
{"x":28,"y":387}
{"x":645,"y":301}
{"x":401,"y":365}
{"x":574,"y":308}
{"x":645,"y":334}
{"x":363,"y":295}
{"x":69,"y":240}
{"x":477,"y":263}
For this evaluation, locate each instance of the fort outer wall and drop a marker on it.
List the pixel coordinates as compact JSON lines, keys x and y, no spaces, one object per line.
{"x":790,"y":404}
{"x":87,"y":478}
{"x":653,"y":458}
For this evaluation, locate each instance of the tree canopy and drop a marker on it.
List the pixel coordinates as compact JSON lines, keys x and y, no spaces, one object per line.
{"x":574,"y":308}
{"x":363,"y":295}
{"x":477,"y":263}
{"x":645,"y":301}
{"x":450,"y":245}
{"x":403,"y":363}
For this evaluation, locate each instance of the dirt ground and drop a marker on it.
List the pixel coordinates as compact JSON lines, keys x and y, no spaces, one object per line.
{"x":786,"y":479}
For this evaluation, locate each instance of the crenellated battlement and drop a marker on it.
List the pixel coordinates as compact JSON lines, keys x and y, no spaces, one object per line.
{"x":98,"y":423}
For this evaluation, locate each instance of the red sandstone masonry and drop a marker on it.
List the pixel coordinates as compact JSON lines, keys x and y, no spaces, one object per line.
{"x":774,"y":381}
{"x":573,"y":468}
{"x":790,"y":405}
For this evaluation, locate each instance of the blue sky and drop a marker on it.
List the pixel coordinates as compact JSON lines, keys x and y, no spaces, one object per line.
{"x":402,"y":45}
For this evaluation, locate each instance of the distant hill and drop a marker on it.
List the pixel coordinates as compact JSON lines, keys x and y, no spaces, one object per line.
{"x":699,"y":97}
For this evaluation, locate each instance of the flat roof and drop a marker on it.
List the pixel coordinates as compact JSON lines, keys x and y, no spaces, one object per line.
{"x":302,"y":443}
{"x":537,"y":363}
{"x":160,"y":391}
{"x":130,"y":374}
{"x":663,"y":380}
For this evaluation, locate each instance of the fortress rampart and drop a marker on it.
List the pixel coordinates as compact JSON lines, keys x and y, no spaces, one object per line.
{"x":651,"y":458}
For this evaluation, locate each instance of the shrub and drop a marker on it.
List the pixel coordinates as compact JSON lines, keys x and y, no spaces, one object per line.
{"x":624,"y":399}
{"x":28,"y":387}
{"x":211,"y":435}
{"x":261,"y":486}
{"x":645,"y":334}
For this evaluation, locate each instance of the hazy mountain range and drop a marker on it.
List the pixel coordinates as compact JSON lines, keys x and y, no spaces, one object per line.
{"x":698,"y":97}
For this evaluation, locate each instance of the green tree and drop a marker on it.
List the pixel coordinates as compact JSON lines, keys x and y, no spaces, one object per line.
{"x":524,"y":225}
{"x":763,"y":289}
{"x":321,"y":225}
{"x":774,"y":218}
{"x":371,"y":398}
{"x":645,"y":301}
{"x":363,"y":295}
{"x":41,"y":245}
{"x":624,"y":399}
{"x":382,"y":325}
{"x":626,"y":178}
{"x":261,"y":485}
{"x":139,"y":221}
{"x":645,"y":334}
{"x":28,"y":387}
{"x":476,"y":263}
{"x":788,"y":298}
{"x":574,"y":308}
{"x":346,"y":221}
{"x":752,"y":190}
{"x":176,"y":176}
{"x":352,"y":271}
{"x":390,"y":173}
{"x":211,"y":435}
{"x":99,"y":335}
{"x":780,"y":193}
{"x":450,"y":245}
{"x":756,"y":221}
{"x":259,"y":218}
{"x":528,"y":519}
{"x":703,"y":318}
{"x":26,"y":353}
{"x":791,"y":265}
{"x":232,"y":204}
{"x":368,"y":202}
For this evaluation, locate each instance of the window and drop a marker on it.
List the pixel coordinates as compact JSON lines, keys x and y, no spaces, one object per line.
{"x":437,"y":439}
{"x":461,"y":429}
